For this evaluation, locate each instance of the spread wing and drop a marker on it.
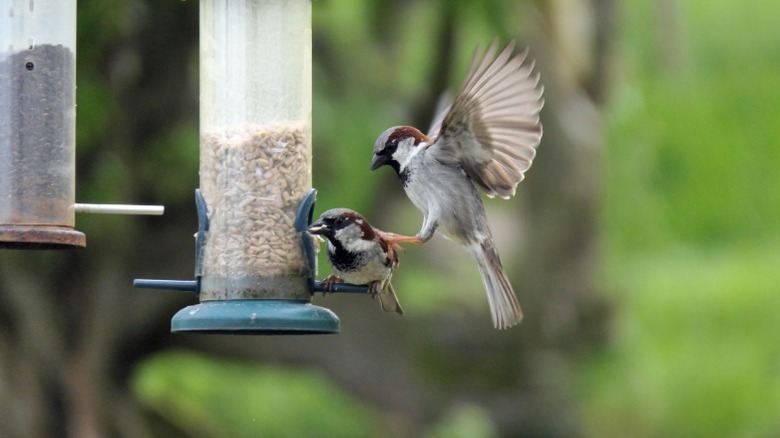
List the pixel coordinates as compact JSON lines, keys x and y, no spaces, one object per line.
{"x":442,"y":108}
{"x":492,"y":128}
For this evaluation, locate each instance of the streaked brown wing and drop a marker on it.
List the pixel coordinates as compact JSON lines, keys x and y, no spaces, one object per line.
{"x":493,"y":128}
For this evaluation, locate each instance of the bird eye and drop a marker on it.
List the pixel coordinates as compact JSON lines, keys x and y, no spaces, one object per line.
{"x":390,"y":147}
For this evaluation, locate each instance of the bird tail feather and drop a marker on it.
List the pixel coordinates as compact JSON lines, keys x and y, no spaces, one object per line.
{"x":389,"y":300}
{"x":505,"y":310}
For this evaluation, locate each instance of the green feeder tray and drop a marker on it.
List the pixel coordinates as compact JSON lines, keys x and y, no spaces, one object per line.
{"x":257,"y":317}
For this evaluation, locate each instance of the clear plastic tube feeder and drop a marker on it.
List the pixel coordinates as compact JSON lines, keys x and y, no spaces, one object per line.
{"x":255,"y":169}
{"x":38,"y":128}
{"x":38,"y":124}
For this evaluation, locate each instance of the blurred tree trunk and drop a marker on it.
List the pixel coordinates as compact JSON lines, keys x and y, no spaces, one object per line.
{"x":557,"y":274}
{"x":563,"y":192}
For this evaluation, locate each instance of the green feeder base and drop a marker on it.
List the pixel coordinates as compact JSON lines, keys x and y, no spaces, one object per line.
{"x":270,"y":317}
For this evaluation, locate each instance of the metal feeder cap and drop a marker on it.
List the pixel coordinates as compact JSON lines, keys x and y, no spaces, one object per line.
{"x":270,"y":317}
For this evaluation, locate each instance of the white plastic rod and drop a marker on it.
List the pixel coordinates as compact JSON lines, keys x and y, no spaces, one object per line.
{"x":154,"y":210}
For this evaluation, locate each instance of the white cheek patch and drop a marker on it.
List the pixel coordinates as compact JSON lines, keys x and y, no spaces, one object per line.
{"x":359,"y":245}
{"x":407,"y":151}
{"x":352,"y":239}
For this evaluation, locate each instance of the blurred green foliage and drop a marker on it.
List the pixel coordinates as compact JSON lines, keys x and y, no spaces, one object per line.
{"x":216,"y":398}
{"x":693,"y":127}
{"x":691,"y":213}
{"x":465,"y":421}
{"x":696,"y":350}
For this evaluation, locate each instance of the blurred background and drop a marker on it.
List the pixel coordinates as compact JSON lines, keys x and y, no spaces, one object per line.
{"x":642,"y":244}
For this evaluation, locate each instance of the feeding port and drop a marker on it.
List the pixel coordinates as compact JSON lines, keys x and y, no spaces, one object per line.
{"x":37,"y":124}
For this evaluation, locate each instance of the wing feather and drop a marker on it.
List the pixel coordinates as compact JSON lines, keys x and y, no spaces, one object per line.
{"x":492,"y":128}
{"x":442,"y":108}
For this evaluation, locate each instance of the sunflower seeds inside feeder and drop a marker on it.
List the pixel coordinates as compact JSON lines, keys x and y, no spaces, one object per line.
{"x":253,"y":178}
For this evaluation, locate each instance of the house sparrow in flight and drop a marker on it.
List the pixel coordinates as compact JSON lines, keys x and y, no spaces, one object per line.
{"x":486,"y":138}
{"x":359,"y":254}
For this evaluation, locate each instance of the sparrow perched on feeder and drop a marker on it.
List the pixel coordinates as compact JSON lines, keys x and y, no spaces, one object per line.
{"x":487,"y":137}
{"x":359,"y":254}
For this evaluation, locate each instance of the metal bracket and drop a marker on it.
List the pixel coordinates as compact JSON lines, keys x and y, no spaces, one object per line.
{"x":200,"y":236}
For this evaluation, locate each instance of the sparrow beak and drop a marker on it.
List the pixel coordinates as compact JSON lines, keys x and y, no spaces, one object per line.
{"x":318,"y":228}
{"x":379,"y":161}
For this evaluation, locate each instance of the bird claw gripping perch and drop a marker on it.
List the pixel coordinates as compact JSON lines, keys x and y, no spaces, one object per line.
{"x":303,"y":219}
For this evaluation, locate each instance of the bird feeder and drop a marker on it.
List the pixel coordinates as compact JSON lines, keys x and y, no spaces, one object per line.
{"x":37,"y":124}
{"x":254,"y":261}
{"x":38,"y":127}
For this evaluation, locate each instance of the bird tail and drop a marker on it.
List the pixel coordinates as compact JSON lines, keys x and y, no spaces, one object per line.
{"x":389,"y":300}
{"x":504,"y":308}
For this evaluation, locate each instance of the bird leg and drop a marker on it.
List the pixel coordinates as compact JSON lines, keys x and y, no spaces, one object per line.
{"x":328,"y":283}
{"x":399,"y":238}
{"x":373,"y":288}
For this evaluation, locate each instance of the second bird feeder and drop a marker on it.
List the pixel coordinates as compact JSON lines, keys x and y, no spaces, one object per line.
{"x":38,"y":128}
{"x":38,"y":125}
